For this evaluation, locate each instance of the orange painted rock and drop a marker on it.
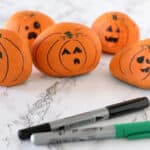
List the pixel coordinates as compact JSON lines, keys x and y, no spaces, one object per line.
{"x":29,"y":24}
{"x":66,"y":49}
{"x":132,"y":65}
{"x":15,"y":59}
{"x":116,"y":31}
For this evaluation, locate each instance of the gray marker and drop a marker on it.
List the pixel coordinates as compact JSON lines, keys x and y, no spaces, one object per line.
{"x":87,"y":117}
{"x":131,"y":131}
{"x":74,"y":135}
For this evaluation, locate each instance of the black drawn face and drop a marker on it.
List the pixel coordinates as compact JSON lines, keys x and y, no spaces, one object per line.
{"x":146,"y":61}
{"x":32,"y":30}
{"x":76,"y":50}
{"x":140,"y":63}
{"x":72,"y":55}
{"x":112,"y":34}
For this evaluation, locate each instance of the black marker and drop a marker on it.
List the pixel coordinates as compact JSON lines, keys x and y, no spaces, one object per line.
{"x":87,"y":117}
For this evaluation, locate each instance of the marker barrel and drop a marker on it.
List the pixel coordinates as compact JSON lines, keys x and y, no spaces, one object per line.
{"x":87,"y":117}
{"x":74,"y":135}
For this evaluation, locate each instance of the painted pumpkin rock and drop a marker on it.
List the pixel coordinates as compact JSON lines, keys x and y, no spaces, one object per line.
{"x":66,"y":49}
{"x":15,"y":59}
{"x":116,"y":31}
{"x":29,"y":24}
{"x":132,"y":65}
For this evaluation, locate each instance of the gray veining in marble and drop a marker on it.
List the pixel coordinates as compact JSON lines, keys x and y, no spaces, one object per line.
{"x":43,"y":98}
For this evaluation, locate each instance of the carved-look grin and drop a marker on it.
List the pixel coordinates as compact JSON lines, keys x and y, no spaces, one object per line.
{"x":111,"y":39}
{"x":146,"y":70}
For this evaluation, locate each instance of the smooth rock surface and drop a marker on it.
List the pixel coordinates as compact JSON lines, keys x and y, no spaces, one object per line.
{"x":43,"y":98}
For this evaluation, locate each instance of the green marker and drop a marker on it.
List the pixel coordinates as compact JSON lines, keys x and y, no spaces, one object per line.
{"x":131,"y":131}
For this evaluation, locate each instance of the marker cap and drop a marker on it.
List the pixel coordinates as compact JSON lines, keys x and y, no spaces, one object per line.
{"x":26,"y":133}
{"x":128,"y":106}
{"x":132,"y":131}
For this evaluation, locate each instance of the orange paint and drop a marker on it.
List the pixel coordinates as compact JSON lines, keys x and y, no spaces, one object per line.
{"x":116,"y":31}
{"x":15,"y":59}
{"x":66,"y":49}
{"x":132,"y":65}
{"x":29,"y":24}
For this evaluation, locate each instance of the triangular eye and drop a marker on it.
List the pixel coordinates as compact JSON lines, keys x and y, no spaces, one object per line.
{"x":1,"y":55}
{"x":118,"y":30}
{"x":65,"y":51}
{"x":77,"y":50}
{"x":140,"y":59}
{"x":109,"y":29}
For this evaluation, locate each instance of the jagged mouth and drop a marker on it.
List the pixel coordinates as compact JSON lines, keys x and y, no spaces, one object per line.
{"x":76,"y":61}
{"x":111,"y":39}
{"x":146,"y":70}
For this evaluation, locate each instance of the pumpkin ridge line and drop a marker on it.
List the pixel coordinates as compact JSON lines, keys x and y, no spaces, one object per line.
{"x":21,"y":56}
{"x":37,"y":49}
{"x":60,"y":57}
{"x":24,"y":18}
{"x":132,"y":61}
{"x":146,"y":76}
{"x":95,"y":49}
{"x":49,"y":49}
{"x":120,"y":58}
{"x":18,"y":30}
{"x":7,"y":63}
{"x":127,"y":38}
{"x":84,"y":52}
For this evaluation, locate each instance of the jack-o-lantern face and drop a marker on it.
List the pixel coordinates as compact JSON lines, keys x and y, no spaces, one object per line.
{"x":15,"y":59}
{"x":66,"y":49}
{"x":112,"y":38}
{"x":115,"y":36}
{"x":116,"y":31}
{"x":132,"y":65}
{"x":141,"y":61}
{"x":30,"y":30}
{"x":29,"y":24}
{"x":73,"y":58}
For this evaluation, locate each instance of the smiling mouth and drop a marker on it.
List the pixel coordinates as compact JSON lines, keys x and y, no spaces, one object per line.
{"x":111,"y":39}
{"x":146,"y":70}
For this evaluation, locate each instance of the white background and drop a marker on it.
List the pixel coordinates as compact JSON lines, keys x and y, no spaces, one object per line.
{"x":43,"y":98}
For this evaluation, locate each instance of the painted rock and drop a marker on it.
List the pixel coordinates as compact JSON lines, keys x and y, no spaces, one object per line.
{"x":15,"y":59}
{"x":116,"y":31}
{"x":132,"y":65}
{"x":29,"y":24}
{"x":66,"y":49}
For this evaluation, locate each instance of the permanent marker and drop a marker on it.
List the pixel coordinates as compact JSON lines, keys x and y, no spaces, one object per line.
{"x":130,"y":131}
{"x":87,"y":117}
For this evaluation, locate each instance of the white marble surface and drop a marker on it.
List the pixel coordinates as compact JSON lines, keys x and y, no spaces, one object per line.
{"x":44,"y":98}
